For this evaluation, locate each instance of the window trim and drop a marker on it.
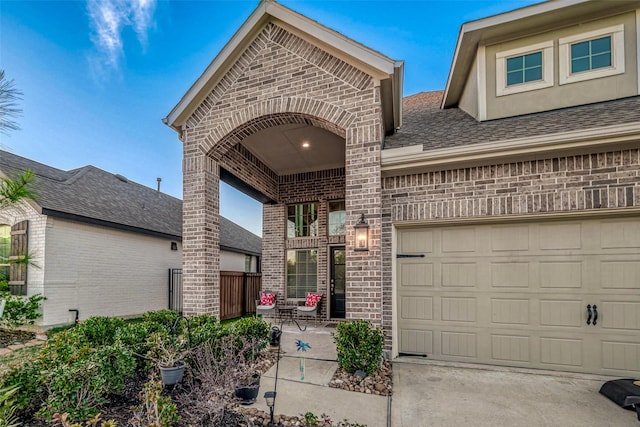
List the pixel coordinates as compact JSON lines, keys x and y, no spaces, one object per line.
{"x":547,"y":68}
{"x":617,"y":54}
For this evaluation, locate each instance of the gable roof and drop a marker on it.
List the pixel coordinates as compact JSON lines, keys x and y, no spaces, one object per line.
{"x":362,"y":57}
{"x":92,"y":195}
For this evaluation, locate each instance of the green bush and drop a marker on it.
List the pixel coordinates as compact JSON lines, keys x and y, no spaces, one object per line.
{"x":78,"y":387}
{"x":20,"y":310}
{"x":359,"y":346}
{"x":8,"y":410}
{"x":165,"y":318}
{"x":31,"y":392}
{"x":204,"y":328}
{"x":96,"y":331}
{"x":252,"y":330}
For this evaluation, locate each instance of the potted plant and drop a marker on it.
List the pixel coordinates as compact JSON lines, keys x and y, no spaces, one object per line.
{"x":249,"y":388}
{"x":168,"y":353}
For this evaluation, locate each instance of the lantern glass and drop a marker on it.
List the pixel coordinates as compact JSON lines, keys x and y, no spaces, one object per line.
{"x":362,"y":235}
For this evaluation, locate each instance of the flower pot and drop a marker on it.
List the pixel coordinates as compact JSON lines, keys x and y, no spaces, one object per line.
{"x":172,"y":375}
{"x":249,"y":393}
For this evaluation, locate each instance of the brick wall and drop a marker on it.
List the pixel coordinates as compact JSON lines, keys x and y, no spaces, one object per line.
{"x":593,"y":182}
{"x":282,"y":79}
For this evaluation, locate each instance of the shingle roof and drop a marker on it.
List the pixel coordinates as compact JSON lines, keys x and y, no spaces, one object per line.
{"x":424,"y":122}
{"x":90,"y":193}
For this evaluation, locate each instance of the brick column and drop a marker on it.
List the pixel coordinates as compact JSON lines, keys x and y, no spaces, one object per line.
{"x":363,"y":195}
{"x":273,"y":248}
{"x":200,"y":233}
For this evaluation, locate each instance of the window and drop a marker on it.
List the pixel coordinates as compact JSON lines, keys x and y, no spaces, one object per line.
{"x":524,"y":69}
{"x":302,"y":220}
{"x":5,"y":250}
{"x":591,"y":55}
{"x":302,"y":272}
{"x":247,"y":263}
{"x":337,"y":218}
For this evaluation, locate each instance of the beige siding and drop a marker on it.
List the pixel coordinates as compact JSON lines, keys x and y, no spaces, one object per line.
{"x":559,"y":96}
{"x":231,"y":261}
{"x":470,"y":95}
{"x":104,"y":272}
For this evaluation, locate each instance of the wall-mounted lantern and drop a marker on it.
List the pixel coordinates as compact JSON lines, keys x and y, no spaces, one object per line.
{"x":174,"y":246}
{"x":362,"y":235}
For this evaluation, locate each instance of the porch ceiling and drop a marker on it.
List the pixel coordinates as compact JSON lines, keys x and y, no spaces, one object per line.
{"x":282,"y":148}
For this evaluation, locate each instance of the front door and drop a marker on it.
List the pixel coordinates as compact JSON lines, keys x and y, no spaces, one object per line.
{"x":338,"y":281}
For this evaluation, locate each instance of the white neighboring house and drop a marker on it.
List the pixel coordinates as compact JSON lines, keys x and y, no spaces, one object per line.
{"x":101,"y":244}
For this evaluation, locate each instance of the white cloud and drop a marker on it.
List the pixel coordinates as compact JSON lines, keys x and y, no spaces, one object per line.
{"x":108,"y":19}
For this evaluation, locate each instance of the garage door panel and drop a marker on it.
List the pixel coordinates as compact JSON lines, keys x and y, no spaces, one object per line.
{"x":417,"y":242}
{"x":513,"y":348}
{"x":510,"y":274}
{"x":561,"y":351}
{"x":560,"y":274}
{"x":416,"y":341}
{"x":458,"y":309}
{"x":510,"y":311}
{"x":458,"y":344}
{"x":618,"y":355}
{"x":510,"y":238}
{"x":458,"y":240}
{"x":561,"y":313}
{"x":624,"y":274}
{"x":416,"y":308}
{"x":620,"y":315}
{"x":459,"y":274}
{"x":620,"y":234}
{"x":560,"y":236}
{"x":415,"y":275}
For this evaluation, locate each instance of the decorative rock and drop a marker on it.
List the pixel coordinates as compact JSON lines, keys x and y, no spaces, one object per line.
{"x":4,"y":351}
{"x":15,"y":347}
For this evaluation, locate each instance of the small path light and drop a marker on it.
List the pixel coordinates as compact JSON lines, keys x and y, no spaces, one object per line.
{"x":270,"y":397}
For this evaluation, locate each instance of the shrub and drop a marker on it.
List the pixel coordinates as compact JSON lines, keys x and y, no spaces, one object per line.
{"x":155,"y":410}
{"x":96,"y":331}
{"x":204,"y":328}
{"x":253,"y":330}
{"x":165,"y":318}
{"x":31,"y":393}
{"x":359,"y":346}
{"x":78,"y":387}
{"x":20,"y":310}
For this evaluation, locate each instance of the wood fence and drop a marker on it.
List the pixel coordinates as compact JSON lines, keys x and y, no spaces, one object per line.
{"x":238,"y":293}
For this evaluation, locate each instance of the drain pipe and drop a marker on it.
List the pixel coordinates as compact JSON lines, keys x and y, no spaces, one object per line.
{"x":75,"y":310}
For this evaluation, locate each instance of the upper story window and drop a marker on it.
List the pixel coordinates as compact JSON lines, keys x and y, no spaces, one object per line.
{"x":525,"y":68}
{"x":337,"y":218}
{"x":302,"y":220}
{"x":591,"y":55}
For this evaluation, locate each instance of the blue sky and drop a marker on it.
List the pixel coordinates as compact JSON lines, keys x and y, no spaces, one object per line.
{"x":99,"y":76}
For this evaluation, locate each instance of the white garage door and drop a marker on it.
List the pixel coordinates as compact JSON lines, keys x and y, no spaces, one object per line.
{"x":518,"y":294}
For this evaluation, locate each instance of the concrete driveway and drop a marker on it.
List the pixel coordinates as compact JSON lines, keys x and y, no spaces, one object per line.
{"x":428,"y":393}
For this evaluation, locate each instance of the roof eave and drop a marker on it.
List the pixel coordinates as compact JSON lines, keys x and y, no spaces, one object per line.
{"x":266,"y":11}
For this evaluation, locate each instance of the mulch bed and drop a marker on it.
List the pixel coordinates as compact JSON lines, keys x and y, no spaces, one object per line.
{"x":10,"y":337}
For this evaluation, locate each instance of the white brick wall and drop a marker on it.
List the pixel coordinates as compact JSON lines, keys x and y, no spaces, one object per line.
{"x":104,"y":272}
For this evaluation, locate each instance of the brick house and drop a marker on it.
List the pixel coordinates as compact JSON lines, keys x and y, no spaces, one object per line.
{"x":502,"y":212}
{"x":101,"y":244}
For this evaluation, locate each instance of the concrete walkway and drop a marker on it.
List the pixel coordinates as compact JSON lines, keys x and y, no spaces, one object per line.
{"x":313,"y":394}
{"x":431,"y":393}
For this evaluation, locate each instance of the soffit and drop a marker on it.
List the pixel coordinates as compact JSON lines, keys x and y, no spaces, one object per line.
{"x":281,"y":148}
{"x":527,"y":21}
